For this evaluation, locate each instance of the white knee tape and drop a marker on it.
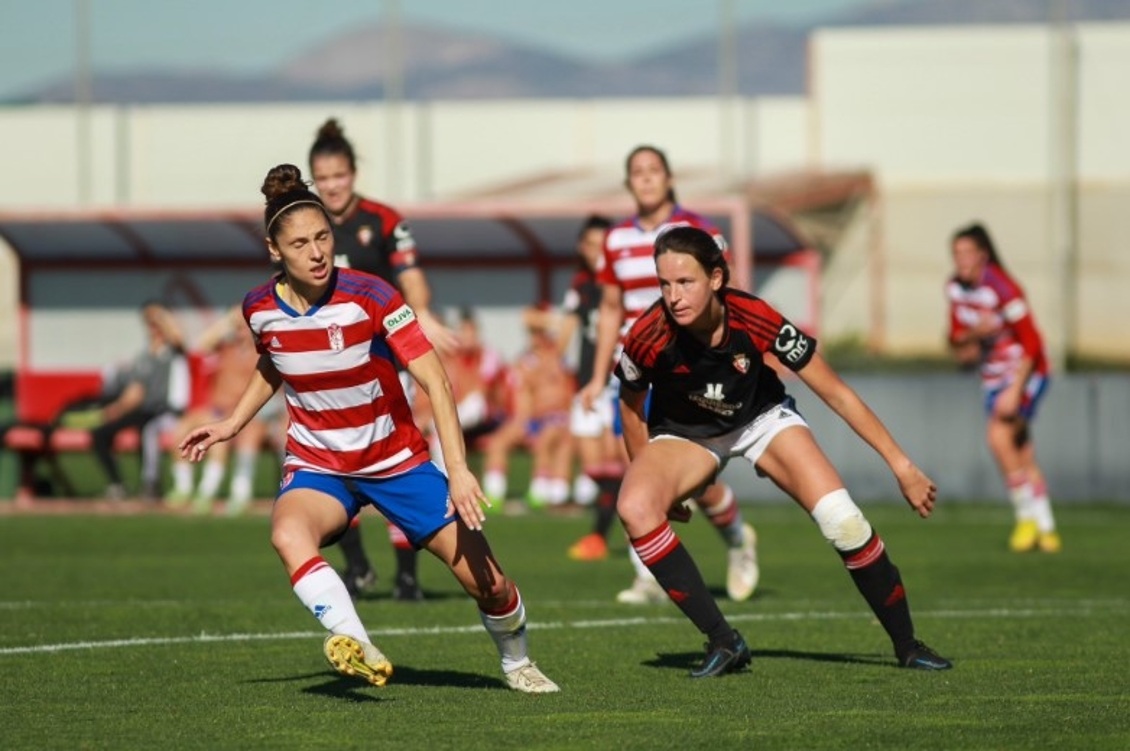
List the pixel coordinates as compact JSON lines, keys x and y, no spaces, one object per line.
{"x":840,"y":521}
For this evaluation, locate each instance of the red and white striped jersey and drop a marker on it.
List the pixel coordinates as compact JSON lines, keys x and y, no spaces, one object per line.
{"x":629,"y":260}
{"x":348,"y":414}
{"x":997,"y":298}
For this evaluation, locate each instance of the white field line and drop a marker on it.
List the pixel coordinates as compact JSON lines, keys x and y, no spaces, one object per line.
{"x":1021,"y":613}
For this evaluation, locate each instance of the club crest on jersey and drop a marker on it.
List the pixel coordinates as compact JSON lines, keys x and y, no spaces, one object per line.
{"x":741,"y":362}
{"x":337,"y":338}
{"x":365,"y":235}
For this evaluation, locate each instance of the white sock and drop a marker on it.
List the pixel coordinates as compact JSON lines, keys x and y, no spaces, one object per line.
{"x":539,"y":489}
{"x":1020,"y":495}
{"x":585,"y":490}
{"x":557,"y":489}
{"x":508,"y":630}
{"x":1041,"y":506}
{"x":243,"y":476}
{"x":182,"y":477}
{"x":494,"y":484}
{"x":210,"y":480}
{"x":323,"y":593}
{"x":240,"y":492}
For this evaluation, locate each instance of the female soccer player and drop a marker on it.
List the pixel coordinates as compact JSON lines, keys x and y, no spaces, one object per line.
{"x":333,"y":337}
{"x":629,"y":286}
{"x":373,"y":237}
{"x":991,"y":325}
{"x":701,"y":351}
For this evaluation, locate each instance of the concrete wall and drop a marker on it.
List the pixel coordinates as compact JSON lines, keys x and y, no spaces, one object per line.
{"x":1022,"y":128}
{"x":1082,"y":435}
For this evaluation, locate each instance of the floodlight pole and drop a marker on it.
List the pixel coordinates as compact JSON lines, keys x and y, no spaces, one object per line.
{"x":727,"y":89}
{"x":83,"y":95}
{"x":1063,"y":175}
{"x":394,"y":97}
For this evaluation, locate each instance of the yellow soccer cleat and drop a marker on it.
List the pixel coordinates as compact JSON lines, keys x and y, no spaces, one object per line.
{"x":1024,"y":538}
{"x":1050,"y":542}
{"x":358,"y":659}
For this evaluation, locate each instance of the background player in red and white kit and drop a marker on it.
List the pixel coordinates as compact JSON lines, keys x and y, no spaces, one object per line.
{"x":992,"y":326}
{"x":629,"y":287}
{"x":701,"y":350}
{"x":373,"y":237}
{"x":333,"y":338}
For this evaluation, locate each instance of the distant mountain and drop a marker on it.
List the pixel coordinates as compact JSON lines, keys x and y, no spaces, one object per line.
{"x":443,"y":63}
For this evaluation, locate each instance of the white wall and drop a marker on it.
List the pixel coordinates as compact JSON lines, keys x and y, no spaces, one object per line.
{"x":954,"y":123}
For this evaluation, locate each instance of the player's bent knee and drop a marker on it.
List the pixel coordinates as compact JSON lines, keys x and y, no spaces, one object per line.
{"x":841,"y":522}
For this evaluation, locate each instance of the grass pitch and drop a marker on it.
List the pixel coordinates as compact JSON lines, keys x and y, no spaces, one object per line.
{"x":158,"y":631}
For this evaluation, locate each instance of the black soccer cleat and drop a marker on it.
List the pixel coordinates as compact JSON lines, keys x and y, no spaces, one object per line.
{"x":920,"y":657}
{"x":407,"y":589}
{"x":724,"y":658}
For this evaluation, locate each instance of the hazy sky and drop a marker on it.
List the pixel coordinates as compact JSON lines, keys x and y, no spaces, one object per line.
{"x":38,"y":37}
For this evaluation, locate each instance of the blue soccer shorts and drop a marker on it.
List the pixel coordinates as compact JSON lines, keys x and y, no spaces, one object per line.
{"x":416,"y":500}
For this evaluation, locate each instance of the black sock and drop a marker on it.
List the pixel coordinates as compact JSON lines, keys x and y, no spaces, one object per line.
{"x":350,"y":543}
{"x":606,"y":504}
{"x":879,"y":582}
{"x":406,"y":562}
{"x":675,"y":570}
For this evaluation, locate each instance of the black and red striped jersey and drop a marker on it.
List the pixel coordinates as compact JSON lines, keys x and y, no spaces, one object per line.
{"x":701,"y":391}
{"x":374,"y":238}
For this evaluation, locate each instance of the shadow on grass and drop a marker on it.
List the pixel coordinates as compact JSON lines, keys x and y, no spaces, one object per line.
{"x":688,"y":660}
{"x":357,"y":690}
{"x":409,"y":676}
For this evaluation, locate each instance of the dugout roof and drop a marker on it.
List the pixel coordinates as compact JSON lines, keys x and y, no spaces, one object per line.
{"x":483,"y":236}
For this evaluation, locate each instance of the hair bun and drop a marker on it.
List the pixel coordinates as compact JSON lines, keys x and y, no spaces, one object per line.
{"x":282,"y":179}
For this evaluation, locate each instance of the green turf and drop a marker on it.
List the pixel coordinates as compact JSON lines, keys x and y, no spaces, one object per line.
{"x":161,"y":632}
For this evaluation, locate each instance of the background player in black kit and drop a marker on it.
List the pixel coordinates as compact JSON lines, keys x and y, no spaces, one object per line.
{"x":373,"y":237}
{"x":701,"y":351}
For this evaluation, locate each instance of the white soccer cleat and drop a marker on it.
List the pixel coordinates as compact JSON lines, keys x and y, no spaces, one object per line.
{"x":642,"y":592}
{"x":530,"y":680}
{"x":357,"y":658}
{"x":742,"y":573}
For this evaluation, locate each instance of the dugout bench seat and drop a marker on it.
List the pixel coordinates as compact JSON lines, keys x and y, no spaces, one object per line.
{"x":40,"y":398}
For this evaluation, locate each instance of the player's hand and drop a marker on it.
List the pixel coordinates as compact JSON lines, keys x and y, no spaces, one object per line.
{"x":590,"y":393}
{"x":198,"y":440}
{"x":442,"y":338}
{"x":681,"y":511}
{"x":918,"y":489}
{"x":465,"y":497}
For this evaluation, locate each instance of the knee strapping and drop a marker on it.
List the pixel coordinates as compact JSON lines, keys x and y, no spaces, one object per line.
{"x":841,"y":522}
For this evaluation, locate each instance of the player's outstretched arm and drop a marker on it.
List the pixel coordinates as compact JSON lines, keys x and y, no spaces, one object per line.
{"x":918,"y":489}
{"x":467,"y":498}
{"x":264,"y":381}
